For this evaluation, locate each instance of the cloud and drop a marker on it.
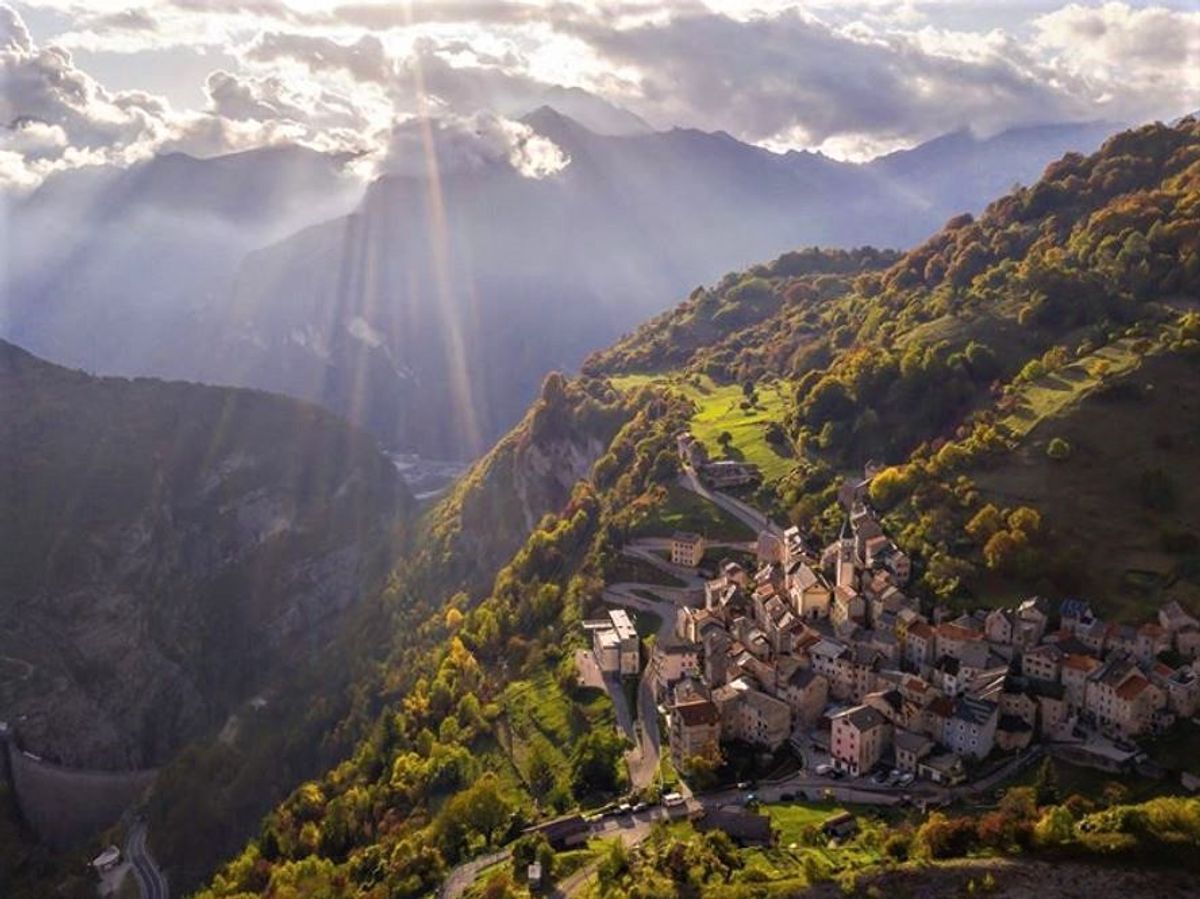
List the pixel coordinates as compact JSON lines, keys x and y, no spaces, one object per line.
{"x":262,"y":100}
{"x":14,"y":36}
{"x":469,"y":143}
{"x":1136,"y":62}
{"x":378,"y":16}
{"x":126,"y":20}
{"x":793,"y":77}
{"x":853,"y":78}
{"x":55,"y":116}
{"x":364,"y":59}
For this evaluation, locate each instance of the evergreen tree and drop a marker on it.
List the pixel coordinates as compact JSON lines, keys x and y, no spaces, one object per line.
{"x":1045,"y":786}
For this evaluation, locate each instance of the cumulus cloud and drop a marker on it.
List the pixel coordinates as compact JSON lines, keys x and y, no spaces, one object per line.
{"x":1132,"y":61}
{"x":14,"y":36}
{"x":45,"y":99}
{"x":469,"y":143}
{"x":54,"y":116}
{"x":853,"y":78}
{"x":792,"y":78}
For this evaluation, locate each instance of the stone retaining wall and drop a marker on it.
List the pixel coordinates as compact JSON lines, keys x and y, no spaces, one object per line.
{"x":64,"y":806}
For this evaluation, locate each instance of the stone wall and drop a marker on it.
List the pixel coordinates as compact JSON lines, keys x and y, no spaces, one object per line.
{"x":64,"y":806}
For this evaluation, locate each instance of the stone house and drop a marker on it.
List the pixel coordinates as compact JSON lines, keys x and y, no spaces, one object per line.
{"x":1075,"y":672}
{"x":811,"y":596}
{"x":1120,"y":698}
{"x":857,"y":739}
{"x":806,"y":693}
{"x":673,"y":662}
{"x":971,"y":729}
{"x":944,"y":768}
{"x":1152,"y":639}
{"x":919,"y":643}
{"x":687,"y":549}
{"x":695,"y":730}
{"x":910,"y":748}
{"x":1013,"y":733}
{"x":1042,"y":662}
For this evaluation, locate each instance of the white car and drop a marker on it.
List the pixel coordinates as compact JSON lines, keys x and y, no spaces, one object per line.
{"x":823,"y":770}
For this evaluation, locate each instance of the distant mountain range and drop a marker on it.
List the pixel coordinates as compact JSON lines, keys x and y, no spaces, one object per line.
{"x":430,"y":316}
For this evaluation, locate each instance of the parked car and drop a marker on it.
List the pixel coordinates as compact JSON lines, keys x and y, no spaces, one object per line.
{"x":906,"y":778}
{"x":836,"y":774}
{"x":640,"y":807}
{"x":744,"y":784}
{"x":823,"y":770}
{"x":879,"y":777}
{"x":1125,"y":745}
{"x":787,"y":797}
{"x":624,"y":808}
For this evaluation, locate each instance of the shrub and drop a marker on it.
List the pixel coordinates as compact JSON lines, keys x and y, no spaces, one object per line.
{"x":1055,"y":827}
{"x":942,"y":837}
{"x":1058,"y":449}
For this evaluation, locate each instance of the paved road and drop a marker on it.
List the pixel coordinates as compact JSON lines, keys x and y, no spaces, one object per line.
{"x":631,"y":829}
{"x":744,"y":512}
{"x":151,"y":882}
{"x":640,"y":551}
{"x":665,"y":543}
{"x":464,"y":875}
{"x":620,"y":701}
{"x":643,"y":759}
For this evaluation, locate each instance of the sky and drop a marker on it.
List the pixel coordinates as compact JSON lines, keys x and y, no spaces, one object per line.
{"x":115,"y":81}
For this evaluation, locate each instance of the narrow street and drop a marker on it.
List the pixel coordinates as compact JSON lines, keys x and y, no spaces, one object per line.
{"x":644,"y":757}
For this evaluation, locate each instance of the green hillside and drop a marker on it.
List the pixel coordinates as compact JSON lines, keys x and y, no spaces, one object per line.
{"x":1120,"y":509}
{"x":729,"y":410}
{"x":955,"y":355}
{"x":1062,"y":312}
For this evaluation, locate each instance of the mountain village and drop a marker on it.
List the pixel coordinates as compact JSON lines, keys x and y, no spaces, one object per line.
{"x":820,"y":649}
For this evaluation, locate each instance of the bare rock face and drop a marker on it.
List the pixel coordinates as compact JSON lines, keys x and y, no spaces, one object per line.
{"x":545,"y":475}
{"x":167,"y":549}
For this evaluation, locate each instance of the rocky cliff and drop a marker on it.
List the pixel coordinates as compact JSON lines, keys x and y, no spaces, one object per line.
{"x":167,"y":550}
{"x":529,"y":473}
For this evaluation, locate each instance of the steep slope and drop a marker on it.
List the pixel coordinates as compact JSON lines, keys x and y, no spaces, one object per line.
{"x":920,"y":360}
{"x":987,"y":339}
{"x":1120,"y":508}
{"x":168,"y":549}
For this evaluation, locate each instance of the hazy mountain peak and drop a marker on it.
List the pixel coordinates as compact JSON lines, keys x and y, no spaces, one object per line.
{"x":594,"y":113}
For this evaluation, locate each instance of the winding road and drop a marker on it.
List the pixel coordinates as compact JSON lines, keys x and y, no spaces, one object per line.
{"x":743,"y":512}
{"x":151,"y":882}
{"x":643,"y":760}
{"x":464,"y":875}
